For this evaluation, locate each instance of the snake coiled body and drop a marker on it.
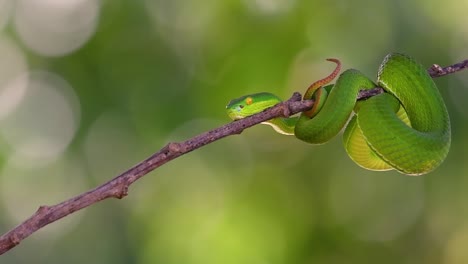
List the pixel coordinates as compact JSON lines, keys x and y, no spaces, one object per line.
{"x":407,"y":128}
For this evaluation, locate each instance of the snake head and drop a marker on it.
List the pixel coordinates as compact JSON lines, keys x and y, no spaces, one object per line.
{"x":248,"y":105}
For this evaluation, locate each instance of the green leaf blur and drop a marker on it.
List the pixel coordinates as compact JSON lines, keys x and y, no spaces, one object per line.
{"x":88,"y":88}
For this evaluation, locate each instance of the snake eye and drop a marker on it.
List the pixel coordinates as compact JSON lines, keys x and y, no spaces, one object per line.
{"x":248,"y":100}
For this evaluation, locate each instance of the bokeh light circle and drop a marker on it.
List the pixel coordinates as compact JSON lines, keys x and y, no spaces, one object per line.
{"x":54,"y":27}
{"x":270,"y":7}
{"x":44,"y":122}
{"x":12,"y":64}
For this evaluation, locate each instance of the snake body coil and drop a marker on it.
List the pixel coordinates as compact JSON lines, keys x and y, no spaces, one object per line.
{"x":406,"y":129}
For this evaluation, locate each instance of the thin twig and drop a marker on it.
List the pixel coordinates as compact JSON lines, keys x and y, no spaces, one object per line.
{"x":437,"y":71}
{"x":118,"y":186}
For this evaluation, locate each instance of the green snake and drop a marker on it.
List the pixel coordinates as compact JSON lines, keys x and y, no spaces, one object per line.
{"x":406,"y":128}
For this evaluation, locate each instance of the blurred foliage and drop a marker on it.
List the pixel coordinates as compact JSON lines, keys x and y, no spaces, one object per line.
{"x":151,"y":72}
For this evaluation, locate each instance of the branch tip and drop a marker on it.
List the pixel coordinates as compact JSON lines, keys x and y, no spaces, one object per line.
{"x":296,"y":96}
{"x":43,"y":209}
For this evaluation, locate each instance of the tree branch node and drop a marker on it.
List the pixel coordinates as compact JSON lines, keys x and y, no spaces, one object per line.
{"x":43,"y":209}
{"x":436,"y":68}
{"x":121,"y":190}
{"x":15,"y":240}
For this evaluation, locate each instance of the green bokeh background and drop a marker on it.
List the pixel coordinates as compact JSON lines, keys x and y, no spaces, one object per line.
{"x":161,"y":71}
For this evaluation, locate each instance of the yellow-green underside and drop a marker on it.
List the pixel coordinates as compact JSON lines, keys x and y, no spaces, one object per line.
{"x":359,"y":150}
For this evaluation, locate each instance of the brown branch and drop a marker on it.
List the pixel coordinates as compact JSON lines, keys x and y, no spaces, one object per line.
{"x":118,"y":187}
{"x":437,"y":71}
